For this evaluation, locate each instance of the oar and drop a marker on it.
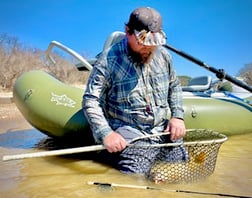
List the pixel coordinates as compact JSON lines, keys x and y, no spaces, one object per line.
{"x":220,"y":73}
{"x":163,"y":189}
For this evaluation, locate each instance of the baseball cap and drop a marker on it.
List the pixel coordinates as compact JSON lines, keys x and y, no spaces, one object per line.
{"x":147,"y":25}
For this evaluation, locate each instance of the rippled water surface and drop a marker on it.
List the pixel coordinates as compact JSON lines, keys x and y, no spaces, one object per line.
{"x":67,"y":176}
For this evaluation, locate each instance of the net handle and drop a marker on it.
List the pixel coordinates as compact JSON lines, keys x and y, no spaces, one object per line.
{"x":183,"y":143}
{"x":222,"y":139}
{"x":101,"y":147}
{"x":148,"y":136}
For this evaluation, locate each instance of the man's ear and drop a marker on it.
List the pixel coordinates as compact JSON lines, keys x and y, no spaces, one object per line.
{"x":127,"y":30}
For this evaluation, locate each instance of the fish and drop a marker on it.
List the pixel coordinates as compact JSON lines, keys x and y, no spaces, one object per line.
{"x":182,"y":171}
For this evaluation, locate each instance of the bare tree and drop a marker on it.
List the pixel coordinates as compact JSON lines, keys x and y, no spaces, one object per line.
{"x":15,"y":59}
{"x":246,"y":73}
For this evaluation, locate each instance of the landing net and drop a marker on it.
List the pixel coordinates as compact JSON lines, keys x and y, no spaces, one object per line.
{"x":202,"y":147}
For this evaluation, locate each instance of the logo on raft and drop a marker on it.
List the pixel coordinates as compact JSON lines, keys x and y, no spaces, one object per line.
{"x":63,"y":100}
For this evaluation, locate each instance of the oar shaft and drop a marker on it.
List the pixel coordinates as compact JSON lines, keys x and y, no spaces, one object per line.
{"x":219,"y":72}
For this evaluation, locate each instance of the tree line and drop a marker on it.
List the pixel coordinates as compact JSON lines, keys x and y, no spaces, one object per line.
{"x":17,"y":58}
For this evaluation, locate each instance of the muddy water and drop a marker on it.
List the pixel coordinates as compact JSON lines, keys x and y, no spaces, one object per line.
{"x":67,"y":176}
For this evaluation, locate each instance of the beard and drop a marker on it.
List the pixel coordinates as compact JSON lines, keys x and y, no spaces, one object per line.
{"x":140,"y":57}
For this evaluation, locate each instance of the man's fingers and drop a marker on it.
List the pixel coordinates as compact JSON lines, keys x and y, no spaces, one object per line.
{"x":114,"y":142}
{"x":177,"y":133}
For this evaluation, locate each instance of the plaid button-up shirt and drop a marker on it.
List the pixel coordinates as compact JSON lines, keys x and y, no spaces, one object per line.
{"x":121,"y":92}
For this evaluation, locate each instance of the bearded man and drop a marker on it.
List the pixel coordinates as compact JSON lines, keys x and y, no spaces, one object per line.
{"x":131,"y":91}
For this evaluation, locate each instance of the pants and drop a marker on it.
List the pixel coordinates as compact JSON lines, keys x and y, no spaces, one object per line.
{"x":140,"y":159}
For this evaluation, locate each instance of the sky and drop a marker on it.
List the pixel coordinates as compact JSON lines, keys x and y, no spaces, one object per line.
{"x":217,"y":32}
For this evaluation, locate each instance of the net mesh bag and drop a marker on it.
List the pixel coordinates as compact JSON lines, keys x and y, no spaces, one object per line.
{"x":202,"y":148}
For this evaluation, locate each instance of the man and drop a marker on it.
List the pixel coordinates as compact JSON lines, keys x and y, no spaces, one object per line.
{"x":130,"y":92}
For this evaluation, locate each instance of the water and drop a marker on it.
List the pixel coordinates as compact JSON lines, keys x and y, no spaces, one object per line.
{"x":67,"y":176}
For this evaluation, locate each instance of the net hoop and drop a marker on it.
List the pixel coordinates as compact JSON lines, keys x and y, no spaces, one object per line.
{"x":221,"y":139}
{"x":202,"y":147}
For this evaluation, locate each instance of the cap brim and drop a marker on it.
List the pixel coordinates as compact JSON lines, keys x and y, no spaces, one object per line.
{"x":150,"y":38}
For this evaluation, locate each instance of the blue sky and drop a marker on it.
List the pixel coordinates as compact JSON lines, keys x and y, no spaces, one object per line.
{"x":218,"y":32}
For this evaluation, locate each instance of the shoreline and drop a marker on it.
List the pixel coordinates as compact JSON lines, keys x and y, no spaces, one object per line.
{"x":6,"y":97}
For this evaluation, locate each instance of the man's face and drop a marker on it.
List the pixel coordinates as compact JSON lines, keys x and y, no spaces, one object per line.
{"x":140,"y":53}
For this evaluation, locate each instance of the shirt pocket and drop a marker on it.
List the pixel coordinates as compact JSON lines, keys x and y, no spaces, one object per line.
{"x":127,"y":94}
{"x":160,"y":86}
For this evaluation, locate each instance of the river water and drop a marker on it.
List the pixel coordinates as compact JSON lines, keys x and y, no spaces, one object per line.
{"x":68,"y":176}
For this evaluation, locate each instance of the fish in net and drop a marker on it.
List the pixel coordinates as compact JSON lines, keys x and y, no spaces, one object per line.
{"x":201,"y":147}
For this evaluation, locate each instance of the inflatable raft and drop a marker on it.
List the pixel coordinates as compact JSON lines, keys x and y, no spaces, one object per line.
{"x":55,"y":109}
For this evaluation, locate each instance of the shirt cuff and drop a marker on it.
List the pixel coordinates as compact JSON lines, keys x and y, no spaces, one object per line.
{"x":101,"y":134}
{"x":179,"y":113}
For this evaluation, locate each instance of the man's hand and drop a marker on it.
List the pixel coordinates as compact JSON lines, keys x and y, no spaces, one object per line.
{"x":114,"y":142}
{"x":177,"y":128}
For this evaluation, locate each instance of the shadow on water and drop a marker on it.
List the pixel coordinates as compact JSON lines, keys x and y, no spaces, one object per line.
{"x":33,"y":139}
{"x":23,"y":139}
